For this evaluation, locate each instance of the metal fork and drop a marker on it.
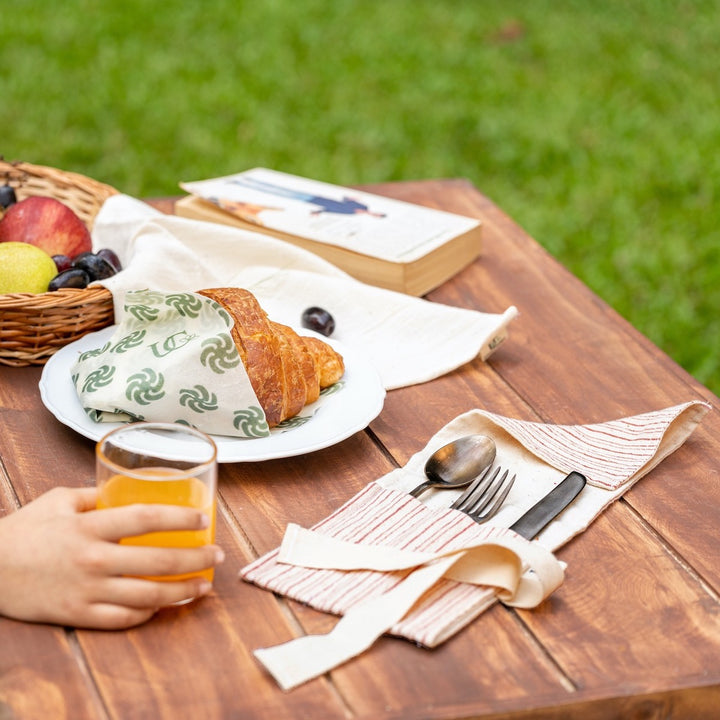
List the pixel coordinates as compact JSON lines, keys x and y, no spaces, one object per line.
{"x":485,"y":495}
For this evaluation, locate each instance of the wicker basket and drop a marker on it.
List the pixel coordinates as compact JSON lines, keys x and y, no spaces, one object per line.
{"x":35,"y":326}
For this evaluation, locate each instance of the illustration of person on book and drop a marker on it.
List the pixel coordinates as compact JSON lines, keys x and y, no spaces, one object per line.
{"x":346,"y":206}
{"x":247,"y":211}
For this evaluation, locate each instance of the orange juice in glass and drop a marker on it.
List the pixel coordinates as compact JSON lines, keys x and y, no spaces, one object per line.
{"x":160,"y":463}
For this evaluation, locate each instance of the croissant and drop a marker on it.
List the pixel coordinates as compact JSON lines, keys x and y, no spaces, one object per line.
{"x":286,"y":370}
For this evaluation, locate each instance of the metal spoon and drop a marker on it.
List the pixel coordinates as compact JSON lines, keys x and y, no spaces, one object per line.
{"x":458,"y":463}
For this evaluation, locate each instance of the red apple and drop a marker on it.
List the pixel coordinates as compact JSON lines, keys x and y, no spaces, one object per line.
{"x":46,"y":223}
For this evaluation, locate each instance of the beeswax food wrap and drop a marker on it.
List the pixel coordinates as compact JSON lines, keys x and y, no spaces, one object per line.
{"x":171,"y":359}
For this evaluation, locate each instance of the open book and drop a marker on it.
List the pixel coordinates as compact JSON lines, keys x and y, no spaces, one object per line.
{"x":383,"y":242}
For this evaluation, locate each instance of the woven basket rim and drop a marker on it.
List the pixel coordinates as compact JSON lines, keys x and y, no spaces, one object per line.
{"x":35,"y":326}
{"x":22,"y":170}
{"x":65,"y":297}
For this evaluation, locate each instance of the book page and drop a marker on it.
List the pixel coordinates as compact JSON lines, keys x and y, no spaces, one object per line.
{"x":361,"y":222}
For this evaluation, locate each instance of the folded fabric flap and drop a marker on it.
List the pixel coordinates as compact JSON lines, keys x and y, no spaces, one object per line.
{"x":490,"y":565}
{"x":499,"y":560}
{"x":523,"y":573}
{"x":681,"y":427}
{"x":495,"y":336}
{"x":611,"y":453}
{"x":309,"y":549}
{"x":304,"y":658}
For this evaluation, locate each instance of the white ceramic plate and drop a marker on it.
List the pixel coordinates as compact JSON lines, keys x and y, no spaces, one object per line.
{"x":351,"y":405}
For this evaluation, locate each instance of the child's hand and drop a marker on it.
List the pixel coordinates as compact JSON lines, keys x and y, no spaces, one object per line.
{"x":60,"y":561}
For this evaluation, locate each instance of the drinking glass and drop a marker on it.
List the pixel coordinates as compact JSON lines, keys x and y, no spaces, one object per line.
{"x":164,"y":463}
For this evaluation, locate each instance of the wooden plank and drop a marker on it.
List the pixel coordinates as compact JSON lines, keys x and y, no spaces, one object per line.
{"x":489,"y":664}
{"x":40,"y":676}
{"x":39,"y":452}
{"x":628,"y":611}
{"x":680,"y":500}
{"x":701,"y":704}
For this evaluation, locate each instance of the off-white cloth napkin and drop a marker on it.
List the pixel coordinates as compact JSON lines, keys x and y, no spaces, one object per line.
{"x":409,"y":340}
{"x":389,"y":562}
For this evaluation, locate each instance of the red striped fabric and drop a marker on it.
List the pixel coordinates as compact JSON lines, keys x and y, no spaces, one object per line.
{"x":381,"y":516}
{"x":608,"y":453}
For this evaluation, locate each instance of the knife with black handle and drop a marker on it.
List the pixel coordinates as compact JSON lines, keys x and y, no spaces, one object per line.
{"x":550,"y":506}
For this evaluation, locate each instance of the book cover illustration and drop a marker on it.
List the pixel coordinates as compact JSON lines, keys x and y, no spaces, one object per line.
{"x":361,"y":222}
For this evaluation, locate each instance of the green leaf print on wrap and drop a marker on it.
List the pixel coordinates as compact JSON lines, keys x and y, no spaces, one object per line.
{"x":332,"y":389}
{"x":94,"y":353}
{"x":145,"y":387}
{"x":98,"y":378}
{"x":294,"y":422}
{"x":219,"y":354}
{"x":251,"y":422}
{"x":199,"y":399}
{"x":133,"y":340}
{"x":149,"y":297}
{"x":222,"y":312}
{"x":143,"y":313}
{"x":185,"y":304}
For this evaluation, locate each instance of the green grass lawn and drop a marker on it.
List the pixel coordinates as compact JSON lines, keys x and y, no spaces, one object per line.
{"x":594,"y":125}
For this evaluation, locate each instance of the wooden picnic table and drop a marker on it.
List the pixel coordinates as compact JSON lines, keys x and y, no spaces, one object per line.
{"x":634,"y":631}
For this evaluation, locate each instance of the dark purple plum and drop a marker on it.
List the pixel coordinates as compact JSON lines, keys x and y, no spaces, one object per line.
{"x":7,"y":196}
{"x":94,"y":266}
{"x":110,"y":256}
{"x":62,"y":262}
{"x":319,"y":320}
{"x":72,"y":278}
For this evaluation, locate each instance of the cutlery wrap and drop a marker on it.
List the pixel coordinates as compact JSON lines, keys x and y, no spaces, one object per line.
{"x":612,"y":455}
